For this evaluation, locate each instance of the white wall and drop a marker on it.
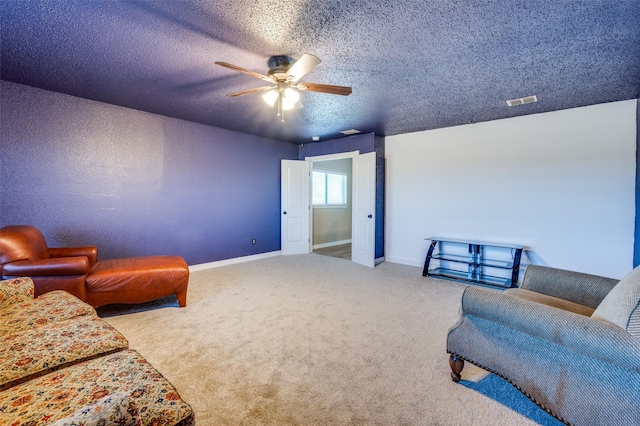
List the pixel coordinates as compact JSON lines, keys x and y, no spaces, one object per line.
{"x":562,"y":183}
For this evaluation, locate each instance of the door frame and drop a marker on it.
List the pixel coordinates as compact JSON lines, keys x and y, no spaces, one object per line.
{"x":320,"y":158}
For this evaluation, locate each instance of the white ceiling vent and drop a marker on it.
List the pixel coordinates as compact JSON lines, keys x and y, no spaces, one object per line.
{"x":522,"y":101}
{"x":350,"y":132}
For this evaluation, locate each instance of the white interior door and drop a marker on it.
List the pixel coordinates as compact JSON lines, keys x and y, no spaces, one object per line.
{"x":295,"y":207}
{"x":364,"y":210}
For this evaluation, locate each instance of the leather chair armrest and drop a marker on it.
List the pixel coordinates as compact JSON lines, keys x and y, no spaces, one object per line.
{"x":63,"y":266}
{"x":585,"y":335}
{"x":577,"y":287}
{"x":91,"y":252}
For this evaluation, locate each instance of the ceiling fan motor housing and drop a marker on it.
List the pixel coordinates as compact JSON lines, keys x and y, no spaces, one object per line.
{"x":278,"y":65}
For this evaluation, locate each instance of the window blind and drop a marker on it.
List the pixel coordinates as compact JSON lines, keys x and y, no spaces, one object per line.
{"x":329,"y":188}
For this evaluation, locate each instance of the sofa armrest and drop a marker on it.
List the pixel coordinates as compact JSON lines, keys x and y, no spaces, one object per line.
{"x":588,"y":336}
{"x":64,"y":266}
{"x":91,"y":252}
{"x":577,"y":287}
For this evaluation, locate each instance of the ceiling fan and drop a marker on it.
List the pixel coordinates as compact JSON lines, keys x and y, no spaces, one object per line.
{"x":284,"y":79}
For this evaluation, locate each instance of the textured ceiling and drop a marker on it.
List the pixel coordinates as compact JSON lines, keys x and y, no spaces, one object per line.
{"x":413,"y":65}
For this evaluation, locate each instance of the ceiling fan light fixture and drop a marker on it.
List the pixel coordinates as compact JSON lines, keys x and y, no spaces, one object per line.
{"x":270,"y":97}
{"x":289,"y":98}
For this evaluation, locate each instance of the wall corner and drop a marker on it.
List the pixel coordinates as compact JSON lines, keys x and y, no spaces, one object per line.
{"x":636,"y":234}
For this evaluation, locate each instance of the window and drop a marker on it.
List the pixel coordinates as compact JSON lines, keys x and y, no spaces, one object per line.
{"x":329,"y":188}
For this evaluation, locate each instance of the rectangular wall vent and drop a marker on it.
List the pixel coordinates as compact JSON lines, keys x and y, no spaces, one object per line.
{"x":522,"y":101}
{"x":350,"y":132}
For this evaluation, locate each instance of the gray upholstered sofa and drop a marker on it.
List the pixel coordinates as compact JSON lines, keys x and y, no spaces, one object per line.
{"x":569,"y":341}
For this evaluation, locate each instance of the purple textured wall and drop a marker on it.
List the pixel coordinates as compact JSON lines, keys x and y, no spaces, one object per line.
{"x":363,"y":143}
{"x":134,"y":183}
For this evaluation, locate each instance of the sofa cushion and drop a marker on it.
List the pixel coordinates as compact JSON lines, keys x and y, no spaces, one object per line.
{"x":56,"y":395}
{"x":15,"y":291}
{"x":556,"y":302}
{"x":115,"y":409}
{"x":621,"y":302}
{"x":34,"y":352}
{"x":54,"y":306}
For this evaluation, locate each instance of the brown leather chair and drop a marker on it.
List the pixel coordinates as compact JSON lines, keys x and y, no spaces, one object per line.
{"x":24,"y":253}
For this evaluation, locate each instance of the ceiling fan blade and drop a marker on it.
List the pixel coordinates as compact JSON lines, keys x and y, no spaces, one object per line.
{"x":254,"y":90}
{"x":325,"y":88}
{"x":245,"y":71}
{"x":302,"y":67}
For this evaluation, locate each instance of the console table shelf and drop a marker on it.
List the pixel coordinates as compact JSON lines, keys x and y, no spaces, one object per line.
{"x":478,"y":267}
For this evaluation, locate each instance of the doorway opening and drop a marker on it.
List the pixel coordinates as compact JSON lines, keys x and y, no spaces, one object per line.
{"x":331,"y":203}
{"x":342,"y":251}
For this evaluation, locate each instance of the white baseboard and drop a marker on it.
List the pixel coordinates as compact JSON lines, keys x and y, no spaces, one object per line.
{"x":408,"y":262}
{"x":233,"y":261}
{"x":331,"y":244}
{"x":219,"y":263}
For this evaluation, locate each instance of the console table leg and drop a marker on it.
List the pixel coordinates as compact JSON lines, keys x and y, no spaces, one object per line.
{"x":456,"y":365}
{"x":427,"y":260}
{"x":515,"y":272}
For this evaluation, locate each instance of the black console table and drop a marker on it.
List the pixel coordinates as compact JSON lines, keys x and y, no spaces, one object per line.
{"x":478,"y":267}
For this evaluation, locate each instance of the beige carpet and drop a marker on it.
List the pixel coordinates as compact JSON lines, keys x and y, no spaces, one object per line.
{"x":315,"y":340}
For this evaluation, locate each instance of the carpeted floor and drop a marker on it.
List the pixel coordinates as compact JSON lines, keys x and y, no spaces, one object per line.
{"x":315,"y":340}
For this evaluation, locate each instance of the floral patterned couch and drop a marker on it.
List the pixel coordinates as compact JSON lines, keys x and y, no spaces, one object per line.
{"x":62,"y":365}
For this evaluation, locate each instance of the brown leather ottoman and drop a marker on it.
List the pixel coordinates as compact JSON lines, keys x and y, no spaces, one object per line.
{"x":137,"y":280}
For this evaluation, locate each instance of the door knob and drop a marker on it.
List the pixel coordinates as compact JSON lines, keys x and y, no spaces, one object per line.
{"x":284,"y":212}
{"x":370,"y":216}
